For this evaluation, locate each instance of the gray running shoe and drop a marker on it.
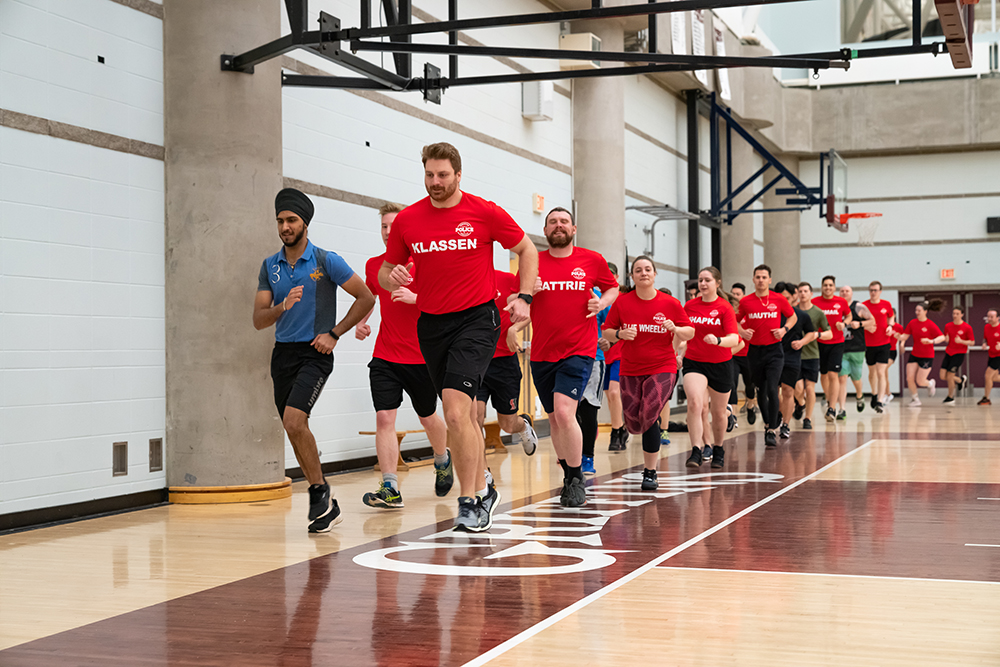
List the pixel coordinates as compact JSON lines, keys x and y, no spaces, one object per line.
{"x":529,"y":439}
{"x":472,"y":518}
{"x":574,"y":494}
{"x":386,"y":497}
{"x":489,"y":503}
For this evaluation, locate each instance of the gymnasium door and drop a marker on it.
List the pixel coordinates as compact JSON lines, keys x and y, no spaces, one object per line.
{"x":976,"y":305}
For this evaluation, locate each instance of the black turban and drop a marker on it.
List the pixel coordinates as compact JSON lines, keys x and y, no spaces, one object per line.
{"x":295,"y":201}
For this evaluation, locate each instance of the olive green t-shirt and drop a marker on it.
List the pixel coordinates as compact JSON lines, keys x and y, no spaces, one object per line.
{"x":811,"y":351}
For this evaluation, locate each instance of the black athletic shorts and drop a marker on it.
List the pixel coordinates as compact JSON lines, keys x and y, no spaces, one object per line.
{"x":877,"y":355}
{"x":921,"y":362}
{"x":994,"y":363}
{"x":502,"y":384}
{"x":458,"y":347}
{"x":567,"y":376}
{"x":892,"y":354}
{"x":790,"y":372}
{"x":389,"y":380}
{"x":299,"y":372}
{"x":809,"y":370}
{"x":953,"y":362}
{"x":720,"y":375}
{"x":831,"y":357}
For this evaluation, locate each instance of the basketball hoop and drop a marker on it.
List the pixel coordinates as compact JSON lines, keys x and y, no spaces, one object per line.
{"x":867,"y":226}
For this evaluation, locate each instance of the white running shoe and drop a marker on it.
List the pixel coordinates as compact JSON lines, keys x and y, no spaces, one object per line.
{"x":914,"y":402}
{"x":931,"y":387}
{"x":529,"y":439}
{"x":886,"y":399}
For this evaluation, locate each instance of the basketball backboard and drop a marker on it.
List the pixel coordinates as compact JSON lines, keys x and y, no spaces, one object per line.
{"x":833,"y":183}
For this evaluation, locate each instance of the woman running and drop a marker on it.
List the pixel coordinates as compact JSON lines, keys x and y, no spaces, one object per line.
{"x":708,"y":369}
{"x":959,"y":336}
{"x":646,"y":322}
{"x":925,"y":335}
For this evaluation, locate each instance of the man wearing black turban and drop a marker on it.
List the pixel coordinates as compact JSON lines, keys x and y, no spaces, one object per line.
{"x":297,"y":291}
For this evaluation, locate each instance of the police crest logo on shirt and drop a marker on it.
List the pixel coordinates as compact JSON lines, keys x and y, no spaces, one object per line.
{"x":660,"y":319}
{"x":578,"y":274}
{"x":772,"y":307}
{"x":714,"y":312}
{"x":464,"y":229}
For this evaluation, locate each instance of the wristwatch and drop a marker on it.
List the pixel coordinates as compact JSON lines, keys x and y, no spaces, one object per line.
{"x":525,"y":297}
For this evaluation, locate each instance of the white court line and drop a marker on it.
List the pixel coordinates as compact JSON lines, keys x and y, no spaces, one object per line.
{"x":845,"y":576}
{"x":521,"y":637}
{"x":983,"y":545}
{"x":987,"y":498}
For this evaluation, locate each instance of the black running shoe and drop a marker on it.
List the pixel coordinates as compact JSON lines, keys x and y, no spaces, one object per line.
{"x":861,"y":403}
{"x":984,"y":401}
{"x":472,"y":518}
{"x":649,"y":482}
{"x":706,"y":453}
{"x":489,"y":503}
{"x":948,"y":399}
{"x":732,"y":424}
{"x":752,"y":416}
{"x":386,"y":497}
{"x":878,"y":408}
{"x":696,"y":459}
{"x":617,"y":441}
{"x":574,"y":494}
{"x":324,"y":523}
{"x":769,"y":439}
{"x":799,"y":409}
{"x":718,"y":457}
{"x":875,"y":402}
{"x":444,"y":478}
{"x":784,"y":432}
{"x":807,"y":425}
{"x":831,"y":415}
{"x":960,"y":382}
{"x":842,"y":416}
{"x":319,"y":500}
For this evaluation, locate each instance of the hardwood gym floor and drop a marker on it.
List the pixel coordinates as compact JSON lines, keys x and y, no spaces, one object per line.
{"x":870,"y":542}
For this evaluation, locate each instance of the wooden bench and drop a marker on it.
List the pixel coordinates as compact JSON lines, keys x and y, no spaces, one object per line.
{"x":401,"y":464}
{"x":493,"y":440}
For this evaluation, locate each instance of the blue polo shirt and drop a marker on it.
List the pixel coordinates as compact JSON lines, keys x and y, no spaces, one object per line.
{"x":319,"y":272}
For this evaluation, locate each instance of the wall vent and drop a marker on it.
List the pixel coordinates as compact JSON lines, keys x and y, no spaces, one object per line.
{"x":119,"y":459}
{"x":155,"y":454}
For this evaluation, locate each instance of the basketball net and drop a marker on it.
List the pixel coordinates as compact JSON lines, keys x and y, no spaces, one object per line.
{"x":867,"y":225}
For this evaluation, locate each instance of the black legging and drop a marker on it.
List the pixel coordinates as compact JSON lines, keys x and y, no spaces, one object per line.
{"x":766,"y":362}
{"x":586,"y":416}
{"x":651,"y":438}
{"x":741,"y":367}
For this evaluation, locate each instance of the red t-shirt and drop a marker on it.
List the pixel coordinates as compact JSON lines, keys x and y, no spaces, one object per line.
{"x":954,"y":331}
{"x":881,"y":311}
{"x":397,"y":334}
{"x":652,"y":351}
{"x":992,"y":336}
{"x":917,"y":330}
{"x":834,"y":308}
{"x":560,"y":327}
{"x":762,"y":314}
{"x":614,"y":353}
{"x":507,"y":284}
{"x":452,"y":248}
{"x":716,"y":318}
{"x":897,"y":328}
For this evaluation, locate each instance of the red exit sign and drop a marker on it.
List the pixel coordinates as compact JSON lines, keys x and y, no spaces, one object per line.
{"x":947,"y":274}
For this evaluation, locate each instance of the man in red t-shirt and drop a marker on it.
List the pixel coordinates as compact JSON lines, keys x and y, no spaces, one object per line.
{"x":878,"y":334}
{"x":397,"y":366}
{"x":502,"y":383}
{"x":448,"y":239}
{"x":991,"y":343}
{"x":960,"y":338}
{"x":831,"y":352}
{"x":759,"y":319}
{"x":564,"y":339}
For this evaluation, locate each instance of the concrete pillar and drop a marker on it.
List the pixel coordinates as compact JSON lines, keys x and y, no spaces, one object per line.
{"x":223,"y":168}
{"x":599,"y":151}
{"x":737,"y":239}
{"x":782,"y":246}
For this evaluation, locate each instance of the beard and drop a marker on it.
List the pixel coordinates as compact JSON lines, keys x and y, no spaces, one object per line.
{"x":444,"y":193}
{"x":559,"y":239}
{"x":289,"y":243}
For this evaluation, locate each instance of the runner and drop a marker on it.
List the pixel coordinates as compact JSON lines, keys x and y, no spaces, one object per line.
{"x":742,"y":368}
{"x":854,"y":349}
{"x":960,"y":337}
{"x":897,"y":344}
{"x":809,"y":374}
{"x":448,"y":238}
{"x":925,"y":335}
{"x":564,"y":339}
{"x":708,"y":367}
{"x":646,"y":322}
{"x":877,"y":344}
{"x":798,"y":335}
{"x":397,"y":366}
{"x":612,"y":389}
{"x":759,"y":320}
{"x":305,"y":335}
{"x":991,"y":342}
{"x":831,"y":352}
{"x":502,"y":383}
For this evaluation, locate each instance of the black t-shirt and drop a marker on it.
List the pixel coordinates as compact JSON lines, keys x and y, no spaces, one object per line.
{"x":854,"y":339}
{"x":803,"y":325}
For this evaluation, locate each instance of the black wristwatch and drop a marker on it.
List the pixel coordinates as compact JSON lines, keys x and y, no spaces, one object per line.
{"x":525,"y":297}
{"x":335,"y":336}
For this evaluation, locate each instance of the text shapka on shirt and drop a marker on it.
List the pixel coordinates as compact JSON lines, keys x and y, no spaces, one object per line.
{"x":318,"y":272}
{"x":918,"y":330}
{"x":452,"y":248}
{"x":835,"y":308}
{"x":507,"y":284}
{"x":560,"y":327}
{"x":955,"y":331}
{"x":652,"y":351}
{"x":881,"y":311}
{"x":397,"y":332}
{"x":762,"y":315}
{"x":991,"y":334}
{"x":712,"y":317}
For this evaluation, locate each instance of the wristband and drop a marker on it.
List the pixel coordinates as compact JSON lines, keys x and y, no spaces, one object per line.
{"x":525,"y":297}
{"x":335,"y":336}
{"x":617,"y":337}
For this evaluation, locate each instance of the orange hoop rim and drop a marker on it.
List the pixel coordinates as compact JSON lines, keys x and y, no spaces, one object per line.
{"x":844,"y":217}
